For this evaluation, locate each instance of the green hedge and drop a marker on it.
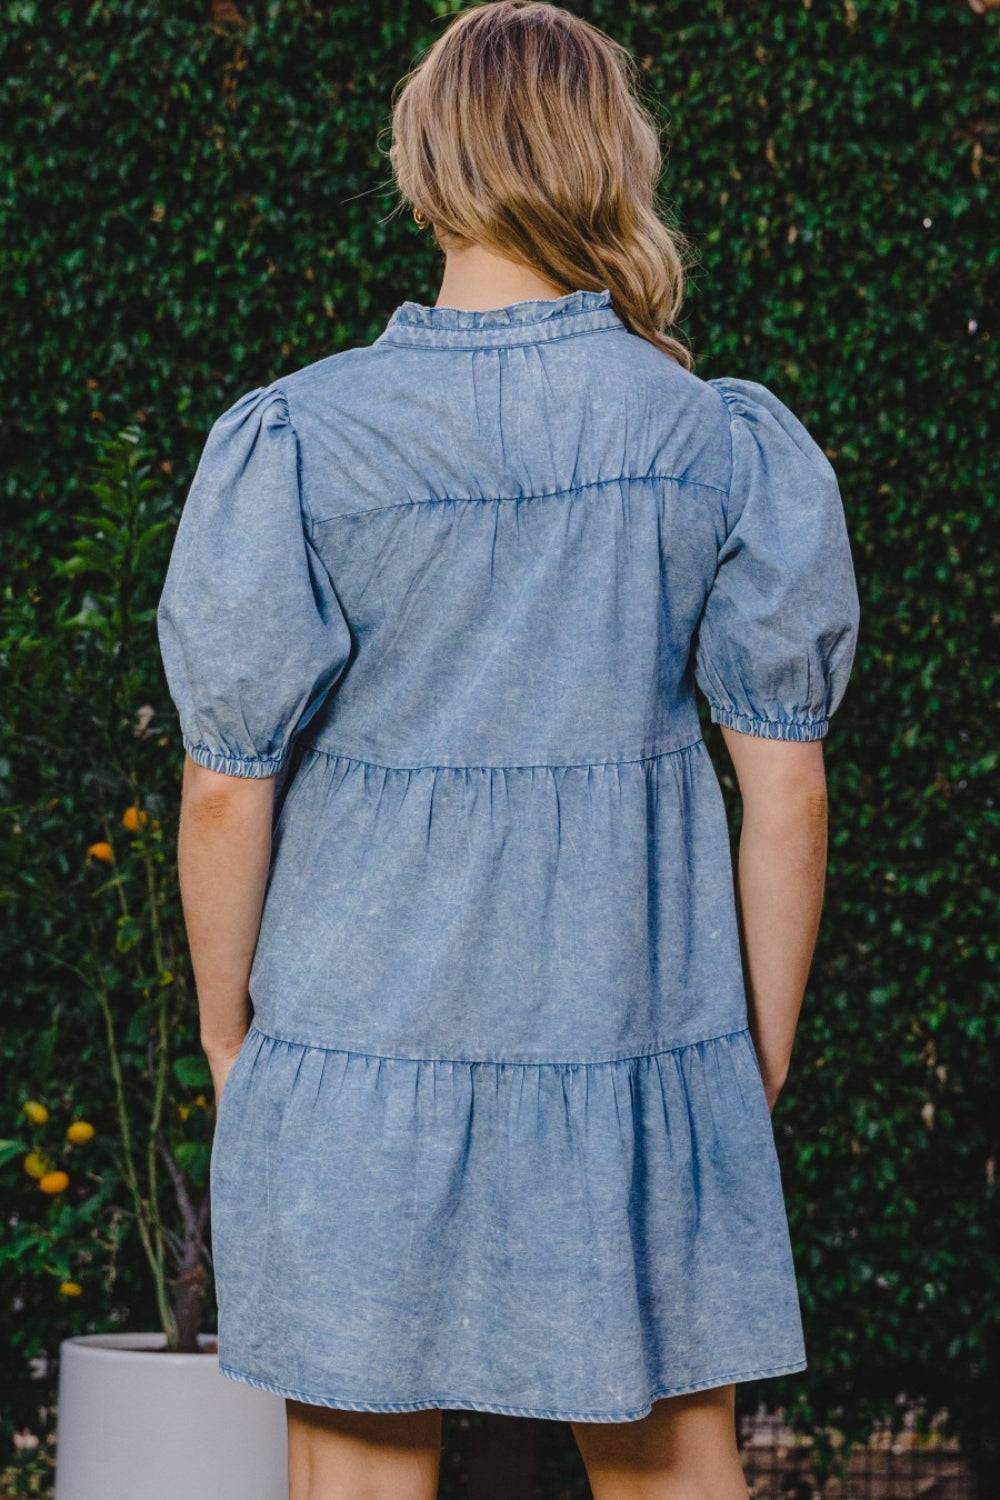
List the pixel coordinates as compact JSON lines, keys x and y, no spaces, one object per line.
{"x":193,"y":207}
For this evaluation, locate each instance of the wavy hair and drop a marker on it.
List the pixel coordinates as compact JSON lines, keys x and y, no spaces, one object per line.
{"x":522,"y":129}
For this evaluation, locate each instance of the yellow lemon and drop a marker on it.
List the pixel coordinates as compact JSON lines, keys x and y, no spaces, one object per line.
{"x":70,"y":1289}
{"x":201,"y":1101}
{"x":80,"y":1132}
{"x":134,"y":818}
{"x":183,"y":1110}
{"x":37,"y":1113}
{"x":35,"y":1164}
{"x":54,"y":1182}
{"x":101,"y":851}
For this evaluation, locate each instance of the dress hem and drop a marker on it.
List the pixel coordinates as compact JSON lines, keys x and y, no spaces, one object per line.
{"x":541,"y":1413}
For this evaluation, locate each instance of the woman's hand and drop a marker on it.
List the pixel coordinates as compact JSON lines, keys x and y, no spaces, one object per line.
{"x":772,"y":1091}
{"x":220,"y":1060}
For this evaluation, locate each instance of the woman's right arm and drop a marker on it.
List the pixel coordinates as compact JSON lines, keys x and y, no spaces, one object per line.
{"x":781,"y":878}
{"x":774,"y":652}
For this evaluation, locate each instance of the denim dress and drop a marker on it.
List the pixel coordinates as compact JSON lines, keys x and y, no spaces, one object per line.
{"x":497,"y":1137}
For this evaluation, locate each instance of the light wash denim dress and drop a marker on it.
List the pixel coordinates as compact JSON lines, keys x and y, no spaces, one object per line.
{"x":497,"y":1138}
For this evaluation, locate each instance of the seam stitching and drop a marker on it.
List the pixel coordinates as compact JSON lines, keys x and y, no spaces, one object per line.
{"x":199,"y":747}
{"x":733,"y":718}
{"x":579,"y":765}
{"x":449,"y":347}
{"x":305,"y":509}
{"x":572,"y":489}
{"x":718,"y":385}
{"x":487,"y":1062}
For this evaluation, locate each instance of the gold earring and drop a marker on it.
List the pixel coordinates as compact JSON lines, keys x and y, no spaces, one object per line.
{"x":419,"y":219}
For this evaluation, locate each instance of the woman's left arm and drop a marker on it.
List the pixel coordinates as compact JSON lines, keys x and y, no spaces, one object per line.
{"x":223,"y":854}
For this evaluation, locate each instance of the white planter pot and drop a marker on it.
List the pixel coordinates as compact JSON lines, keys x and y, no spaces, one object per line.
{"x":163,"y":1426}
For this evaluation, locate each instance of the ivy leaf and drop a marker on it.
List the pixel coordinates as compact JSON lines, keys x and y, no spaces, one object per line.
{"x":192,"y":1072}
{"x":194,"y":1158}
{"x":11,"y":1149}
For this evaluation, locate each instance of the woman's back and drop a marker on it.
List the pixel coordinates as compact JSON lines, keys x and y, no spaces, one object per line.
{"x":474,"y":558}
{"x":505,"y":501}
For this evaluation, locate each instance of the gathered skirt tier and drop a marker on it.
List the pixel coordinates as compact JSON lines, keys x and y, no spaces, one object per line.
{"x":558,"y":1240}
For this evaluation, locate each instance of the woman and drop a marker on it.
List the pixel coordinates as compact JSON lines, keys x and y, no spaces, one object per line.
{"x":496,"y":1133}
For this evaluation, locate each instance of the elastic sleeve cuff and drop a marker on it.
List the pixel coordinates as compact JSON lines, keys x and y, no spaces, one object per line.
{"x":254,"y":767}
{"x":769,"y":729}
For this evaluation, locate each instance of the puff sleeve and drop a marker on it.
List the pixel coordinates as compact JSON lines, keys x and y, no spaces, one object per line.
{"x":251,"y":634}
{"x":777,"y":637}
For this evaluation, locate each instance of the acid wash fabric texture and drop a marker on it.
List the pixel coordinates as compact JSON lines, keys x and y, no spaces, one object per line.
{"x":497,"y":1137}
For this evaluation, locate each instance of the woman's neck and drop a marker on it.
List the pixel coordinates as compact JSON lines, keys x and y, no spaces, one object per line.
{"x":477,"y":279}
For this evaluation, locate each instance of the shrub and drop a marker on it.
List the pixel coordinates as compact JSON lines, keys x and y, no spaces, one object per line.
{"x":106,"y":962}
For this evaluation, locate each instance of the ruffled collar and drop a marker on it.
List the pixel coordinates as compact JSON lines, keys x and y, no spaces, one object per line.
{"x":531,"y":321}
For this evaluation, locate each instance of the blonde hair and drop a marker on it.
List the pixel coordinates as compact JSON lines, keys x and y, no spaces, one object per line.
{"x":521,"y":129}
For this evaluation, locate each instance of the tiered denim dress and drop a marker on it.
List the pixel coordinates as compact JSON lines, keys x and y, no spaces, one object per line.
{"x":497,"y":1138}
